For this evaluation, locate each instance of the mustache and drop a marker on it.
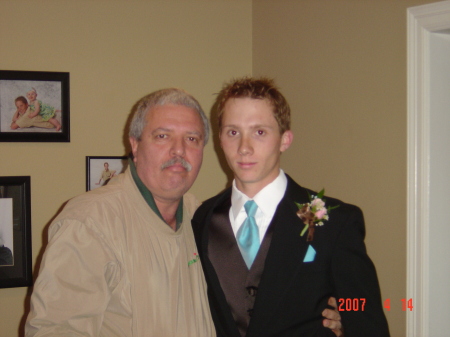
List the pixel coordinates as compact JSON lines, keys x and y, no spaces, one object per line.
{"x":177,"y":160}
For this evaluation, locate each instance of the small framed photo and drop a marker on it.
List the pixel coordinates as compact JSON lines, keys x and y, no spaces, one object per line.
{"x":15,"y":232}
{"x":99,"y":170}
{"x":34,"y":106}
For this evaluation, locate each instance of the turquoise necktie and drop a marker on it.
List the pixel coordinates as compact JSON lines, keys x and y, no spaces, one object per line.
{"x":248,"y":234}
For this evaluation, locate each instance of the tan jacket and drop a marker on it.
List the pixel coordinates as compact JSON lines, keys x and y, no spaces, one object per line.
{"x":114,"y":268}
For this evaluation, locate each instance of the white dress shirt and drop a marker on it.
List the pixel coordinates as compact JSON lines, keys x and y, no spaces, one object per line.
{"x":267,"y":200}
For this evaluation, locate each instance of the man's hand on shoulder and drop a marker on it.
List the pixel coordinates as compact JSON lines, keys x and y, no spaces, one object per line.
{"x":333,"y":319}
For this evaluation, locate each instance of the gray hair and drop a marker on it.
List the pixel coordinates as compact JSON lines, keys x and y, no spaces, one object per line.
{"x":163,"y":97}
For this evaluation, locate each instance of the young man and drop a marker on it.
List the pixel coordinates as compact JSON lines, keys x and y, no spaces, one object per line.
{"x":106,"y":175}
{"x":269,"y":269}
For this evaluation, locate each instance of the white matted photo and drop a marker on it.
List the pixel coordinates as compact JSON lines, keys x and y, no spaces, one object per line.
{"x":101,"y":169}
{"x":6,"y":232}
{"x":15,"y":232}
{"x":34,"y":106}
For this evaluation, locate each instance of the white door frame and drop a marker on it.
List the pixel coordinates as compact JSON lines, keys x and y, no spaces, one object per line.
{"x":422,"y":21}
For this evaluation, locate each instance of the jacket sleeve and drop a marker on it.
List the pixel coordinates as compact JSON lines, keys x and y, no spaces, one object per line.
{"x":355,"y":279}
{"x":72,"y":290}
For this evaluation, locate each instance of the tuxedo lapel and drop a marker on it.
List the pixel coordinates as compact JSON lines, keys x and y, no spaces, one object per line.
{"x":284,"y":258}
{"x":220,"y":310}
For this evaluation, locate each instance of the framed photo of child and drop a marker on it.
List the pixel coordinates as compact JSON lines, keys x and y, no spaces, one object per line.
{"x":34,"y":106}
{"x":101,"y":169}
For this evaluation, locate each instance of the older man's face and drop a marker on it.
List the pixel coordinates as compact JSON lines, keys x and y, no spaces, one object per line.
{"x":169,"y":155}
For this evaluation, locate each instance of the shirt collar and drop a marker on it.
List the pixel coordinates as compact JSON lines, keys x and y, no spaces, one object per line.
{"x":148,"y":196}
{"x":267,"y":199}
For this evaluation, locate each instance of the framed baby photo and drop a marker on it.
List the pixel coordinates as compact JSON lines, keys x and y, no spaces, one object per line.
{"x":15,"y":232}
{"x":101,"y":169}
{"x":34,"y":106}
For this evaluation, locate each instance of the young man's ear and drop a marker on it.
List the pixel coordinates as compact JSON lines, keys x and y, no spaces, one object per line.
{"x":286,"y":140}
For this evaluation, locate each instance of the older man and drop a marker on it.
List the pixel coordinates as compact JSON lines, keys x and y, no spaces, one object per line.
{"x":121,"y":260}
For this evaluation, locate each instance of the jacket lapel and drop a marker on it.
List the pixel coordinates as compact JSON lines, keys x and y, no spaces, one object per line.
{"x":284,"y":259}
{"x":218,"y":303}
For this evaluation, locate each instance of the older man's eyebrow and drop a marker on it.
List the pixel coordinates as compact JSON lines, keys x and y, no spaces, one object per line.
{"x":159,"y":130}
{"x":195,"y":133}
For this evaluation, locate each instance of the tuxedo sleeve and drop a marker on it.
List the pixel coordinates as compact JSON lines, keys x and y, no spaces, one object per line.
{"x":356,"y":284}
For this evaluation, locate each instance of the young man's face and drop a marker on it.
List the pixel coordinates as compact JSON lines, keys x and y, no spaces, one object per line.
{"x":172,"y":132}
{"x":251,"y":140}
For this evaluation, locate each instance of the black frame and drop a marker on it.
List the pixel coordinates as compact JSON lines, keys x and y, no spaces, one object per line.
{"x":91,"y":161}
{"x":41,"y":135}
{"x":20,"y":273}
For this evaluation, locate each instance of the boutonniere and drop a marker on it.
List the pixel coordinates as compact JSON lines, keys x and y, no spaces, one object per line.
{"x":313,"y":213}
{"x":195,"y":259}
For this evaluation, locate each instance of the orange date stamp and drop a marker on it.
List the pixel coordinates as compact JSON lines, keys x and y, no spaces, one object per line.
{"x":359,"y":304}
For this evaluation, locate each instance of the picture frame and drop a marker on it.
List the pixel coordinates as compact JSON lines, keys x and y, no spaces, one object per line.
{"x":16,"y":106}
{"x":96,"y":165}
{"x":15,"y":232}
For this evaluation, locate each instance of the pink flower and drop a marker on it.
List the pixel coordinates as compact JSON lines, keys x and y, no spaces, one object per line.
{"x":318,"y":203}
{"x":313,"y":213}
{"x":320,"y":214}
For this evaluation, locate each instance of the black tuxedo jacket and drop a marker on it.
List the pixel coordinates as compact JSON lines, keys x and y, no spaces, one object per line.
{"x":292,"y":293}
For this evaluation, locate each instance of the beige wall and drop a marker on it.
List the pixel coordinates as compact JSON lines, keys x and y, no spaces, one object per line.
{"x":342,"y":66}
{"x":116,"y":52}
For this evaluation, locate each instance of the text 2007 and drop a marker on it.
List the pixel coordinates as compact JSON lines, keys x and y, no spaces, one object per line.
{"x":351,"y":304}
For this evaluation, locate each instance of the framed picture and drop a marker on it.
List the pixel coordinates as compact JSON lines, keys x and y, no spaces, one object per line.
{"x":15,"y":232}
{"x":34,"y":106}
{"x":99,"y":170}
